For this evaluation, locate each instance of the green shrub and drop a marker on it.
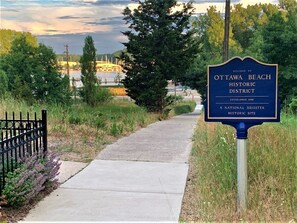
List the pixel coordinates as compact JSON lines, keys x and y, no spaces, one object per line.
{"x":3,"y":83}
{"x":173,"y":98}
{"x":293,"y":106}
{"x":32,"y":176}
{"x":103,"y":95}
{"x":116,"y":129}
{"x":100,"y":122}
{"x":181,"y":109}
{"x":74,"y":119}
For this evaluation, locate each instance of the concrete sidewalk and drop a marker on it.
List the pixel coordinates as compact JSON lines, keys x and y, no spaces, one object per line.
{"x":141,"y":177}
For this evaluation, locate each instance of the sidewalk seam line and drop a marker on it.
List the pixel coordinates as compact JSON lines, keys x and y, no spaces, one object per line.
{"x":122,"y":191}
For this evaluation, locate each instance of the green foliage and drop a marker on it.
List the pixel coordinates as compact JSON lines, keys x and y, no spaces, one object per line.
{"x":280,"y":38}
{"x":33,"y":73}
{"x":116,"y":129}
{"x":7,"y":36}
{"x":103,"y":95}
{"x":272,"y":168}
{"x":49,"y":85}
{"x":74,"y":119}
{"x":262,"y":31}
{"x":3,"y":83}
{"x":245,"y":21}
{"x":209,"y":29}
{"x":88,"y":72}
{"x":293,"y":106}
{"x":32,"y":176}
{"x":183,"y":108}
{"x":160,"y":48}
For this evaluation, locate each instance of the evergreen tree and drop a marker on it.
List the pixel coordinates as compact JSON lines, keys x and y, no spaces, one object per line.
{"x":160,"y":48}
{"x":88,"y":72}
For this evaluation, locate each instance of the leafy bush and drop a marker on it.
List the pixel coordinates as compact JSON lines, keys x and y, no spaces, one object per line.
{"x":293,"y":106}
{"x":100,"y":122}
{"x":33,"y":175}
{"x":3,"y":83}
{"x":181,"y":109}
{"x":173,"y":98}
{"x":74,"y":119}
{"x":103,"y":95}
{"x":116,"y":129}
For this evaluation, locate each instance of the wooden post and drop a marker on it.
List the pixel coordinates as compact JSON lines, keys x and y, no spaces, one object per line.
{"x":226,"y":31}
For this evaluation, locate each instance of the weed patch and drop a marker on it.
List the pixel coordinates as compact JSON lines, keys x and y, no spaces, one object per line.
{"x":272,"y":173}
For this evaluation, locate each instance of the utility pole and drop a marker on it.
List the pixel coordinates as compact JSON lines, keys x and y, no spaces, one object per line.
{"x":226,"y":31}
{"x":67,"y":59}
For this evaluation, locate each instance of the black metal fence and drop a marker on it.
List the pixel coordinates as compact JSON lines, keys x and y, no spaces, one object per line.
{"x":20,"y":137}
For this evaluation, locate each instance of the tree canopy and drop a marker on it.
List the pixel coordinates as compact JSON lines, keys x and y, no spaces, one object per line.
{"x":33,"y":73}
{"x":7,"y":36}
{"x":263,"y":31}
{"x":160,"y":48}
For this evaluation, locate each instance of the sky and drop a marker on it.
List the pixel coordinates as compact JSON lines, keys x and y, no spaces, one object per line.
{"x":57,"y":23}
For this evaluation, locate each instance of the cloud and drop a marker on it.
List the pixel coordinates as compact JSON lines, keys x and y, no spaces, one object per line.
{"x":73,"y":17}
{"x":9,"y":10}
{"x":57,"y":22}
{"x":51,"y":30}
{"x":108,"y":2}
{"x":41,"y":20}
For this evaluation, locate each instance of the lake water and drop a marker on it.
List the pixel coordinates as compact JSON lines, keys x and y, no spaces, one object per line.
{"x":107,"y":78}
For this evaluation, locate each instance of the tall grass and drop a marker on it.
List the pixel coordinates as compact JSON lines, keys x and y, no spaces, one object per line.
{"x":272,"y":173}
{"x":78,"y":132}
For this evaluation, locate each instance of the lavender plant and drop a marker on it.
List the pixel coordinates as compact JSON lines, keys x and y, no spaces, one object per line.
{"x":34,"y":174}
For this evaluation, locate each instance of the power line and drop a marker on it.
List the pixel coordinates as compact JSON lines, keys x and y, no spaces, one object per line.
{"x":67,"y":59}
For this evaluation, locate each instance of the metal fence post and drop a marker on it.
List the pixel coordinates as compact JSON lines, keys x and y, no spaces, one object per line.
{"x":44,"y":125}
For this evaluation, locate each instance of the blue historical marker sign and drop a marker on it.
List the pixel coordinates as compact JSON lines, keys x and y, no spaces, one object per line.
{"x":242,"y":91}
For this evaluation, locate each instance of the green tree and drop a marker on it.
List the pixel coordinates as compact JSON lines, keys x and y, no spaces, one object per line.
{"x":7,"y":36}
{"x":246,"y":21}
{"x":280,"y":38}
{"x":19,"y":66}
{"x":209,"y":29}
{"x":88,"y":72}
{"x":160,"y":48}
{"x":3,"y":83}
{"x":33,"y":73}
{"x":289,"y":5}
{"x":49,"y":85}
{"x":246,"y":38}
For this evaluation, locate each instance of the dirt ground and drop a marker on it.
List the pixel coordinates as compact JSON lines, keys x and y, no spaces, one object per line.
{"x":11,"y":215}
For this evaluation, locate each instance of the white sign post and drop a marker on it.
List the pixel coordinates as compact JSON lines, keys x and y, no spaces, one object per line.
{"x":242,"y":174}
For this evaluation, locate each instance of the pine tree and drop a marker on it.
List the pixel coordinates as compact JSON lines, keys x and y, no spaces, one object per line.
{"x":88,"y":72}
{"x":160,"y":48}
